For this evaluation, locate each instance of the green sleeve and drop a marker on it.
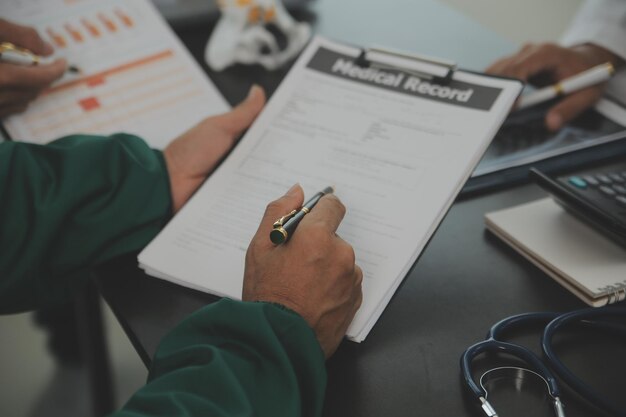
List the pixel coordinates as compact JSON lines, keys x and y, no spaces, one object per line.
{"x":71,"y":204}
{"x":235,"y":359}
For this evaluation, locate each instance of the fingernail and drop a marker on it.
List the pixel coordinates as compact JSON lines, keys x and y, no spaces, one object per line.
{"x":254,"y":90}
{"x":554,"y":121}
{"x":293,"y":189}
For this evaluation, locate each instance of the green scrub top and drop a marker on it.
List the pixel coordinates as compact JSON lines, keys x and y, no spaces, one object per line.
{"x":82,"y":200}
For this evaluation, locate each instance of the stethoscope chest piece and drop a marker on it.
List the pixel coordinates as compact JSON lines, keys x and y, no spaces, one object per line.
{"x":606,"y":318}
{"x":520,"y":388}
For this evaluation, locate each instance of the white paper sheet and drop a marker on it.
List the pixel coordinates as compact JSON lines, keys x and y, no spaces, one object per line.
{"x":137,"y":77}
{"x":396,"y":154}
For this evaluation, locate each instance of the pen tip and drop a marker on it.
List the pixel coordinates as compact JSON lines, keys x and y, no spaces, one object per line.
{"x":74,"y":69}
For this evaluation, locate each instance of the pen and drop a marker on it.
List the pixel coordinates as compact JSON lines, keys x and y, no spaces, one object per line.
{"x":587,"y":78}
{"x":284,"y":227}
{"x":22,"y":56}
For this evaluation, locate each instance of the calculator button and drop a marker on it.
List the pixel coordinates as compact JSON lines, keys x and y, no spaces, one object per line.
{"x":607,"y":190}
{"x":616,"y":177}
{"x":604,"y":179}
{"x":619,"y":188}
{"x":621,"y":199}
{"x":577,"y":182}
{"x":591,"y":180}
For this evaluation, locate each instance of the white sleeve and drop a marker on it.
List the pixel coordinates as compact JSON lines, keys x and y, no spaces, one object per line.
{"x":601,"y":22}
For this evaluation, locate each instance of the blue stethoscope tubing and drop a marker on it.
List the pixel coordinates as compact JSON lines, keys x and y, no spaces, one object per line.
{"x":555,"y":321}
{"x":586,"y":315}
{"x":492,"y":344}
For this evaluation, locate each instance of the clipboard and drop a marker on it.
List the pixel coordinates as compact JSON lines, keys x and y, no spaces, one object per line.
{"x":427,"y":67}
{"x":335,"y":120}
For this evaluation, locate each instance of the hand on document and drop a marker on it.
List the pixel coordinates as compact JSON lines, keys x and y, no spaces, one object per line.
{"x":20,"y":84}
{"x":194,"y":154}
{"x":314,"y":274}
{"x":544,"y":64}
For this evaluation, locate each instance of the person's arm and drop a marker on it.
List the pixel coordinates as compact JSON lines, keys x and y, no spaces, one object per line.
{"x":601,"y":23}
{"x":71,"y":204}
{"x":256,"y":358}
{"x":82,"y":200}
{"x":234,"y":359}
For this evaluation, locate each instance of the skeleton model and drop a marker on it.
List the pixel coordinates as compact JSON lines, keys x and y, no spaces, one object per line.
{"x":242,"y":35}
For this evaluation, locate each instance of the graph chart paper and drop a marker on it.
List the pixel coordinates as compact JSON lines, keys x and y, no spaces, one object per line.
{"x":136,"y":76}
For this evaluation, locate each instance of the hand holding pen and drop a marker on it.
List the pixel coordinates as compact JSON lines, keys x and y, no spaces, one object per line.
{"x":588,"y":78}
{"x":284,"y":227}
{"x":568,"y":71}
{"x":314,"y":275}
{"x":19,"y":83}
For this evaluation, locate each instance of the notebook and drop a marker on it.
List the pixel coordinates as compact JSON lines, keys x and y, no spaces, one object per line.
{"x":579,"y":258}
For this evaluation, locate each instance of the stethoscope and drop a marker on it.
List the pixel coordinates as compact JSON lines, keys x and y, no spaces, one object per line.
{"x":591,"y":317}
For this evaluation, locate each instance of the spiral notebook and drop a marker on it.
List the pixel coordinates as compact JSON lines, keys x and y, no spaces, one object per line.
{"x":579,"y":258}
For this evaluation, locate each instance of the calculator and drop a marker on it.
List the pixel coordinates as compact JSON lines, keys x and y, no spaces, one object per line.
{"x":596,"y":195}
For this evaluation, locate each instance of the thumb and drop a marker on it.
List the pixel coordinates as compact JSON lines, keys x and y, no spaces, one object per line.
{"x":241,"y":117}
{"x":292,"y":200}
{"x":24,"y":37}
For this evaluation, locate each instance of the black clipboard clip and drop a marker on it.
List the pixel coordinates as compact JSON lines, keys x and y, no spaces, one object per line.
{"x":433,"y":69}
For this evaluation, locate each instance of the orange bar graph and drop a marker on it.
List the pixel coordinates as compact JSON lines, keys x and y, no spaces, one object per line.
{"x":124,"y":18}
{"x":99,"y":78}
{"x":58,"y":39}
{"x":89,"y":103}
{"x":74,"y":33}
{"x":91,"y":28}
{"x":95,"y":81}
{"x":108,"y":23}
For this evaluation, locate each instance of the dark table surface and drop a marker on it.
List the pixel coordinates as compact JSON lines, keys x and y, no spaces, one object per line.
{"x":464,"y":281}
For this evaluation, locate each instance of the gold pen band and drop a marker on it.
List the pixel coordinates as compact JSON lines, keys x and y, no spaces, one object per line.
{"x":9,"y":47}
{"x":610,"y":68}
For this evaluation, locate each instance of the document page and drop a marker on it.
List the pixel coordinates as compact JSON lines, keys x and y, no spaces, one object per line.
{"x":135,"y":75}
{"x":396,"y":148}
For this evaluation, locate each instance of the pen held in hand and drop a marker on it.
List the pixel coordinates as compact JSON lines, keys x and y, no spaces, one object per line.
{"x":588,"y":78}
{"x":21,"y":56}
{"x":284,"y":227}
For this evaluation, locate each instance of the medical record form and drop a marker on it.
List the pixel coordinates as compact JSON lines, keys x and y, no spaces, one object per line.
{"x":397,"y":148}
{"x":135,"y":74}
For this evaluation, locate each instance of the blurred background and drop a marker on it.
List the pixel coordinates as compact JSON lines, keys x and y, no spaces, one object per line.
{"x":35,"y":383}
